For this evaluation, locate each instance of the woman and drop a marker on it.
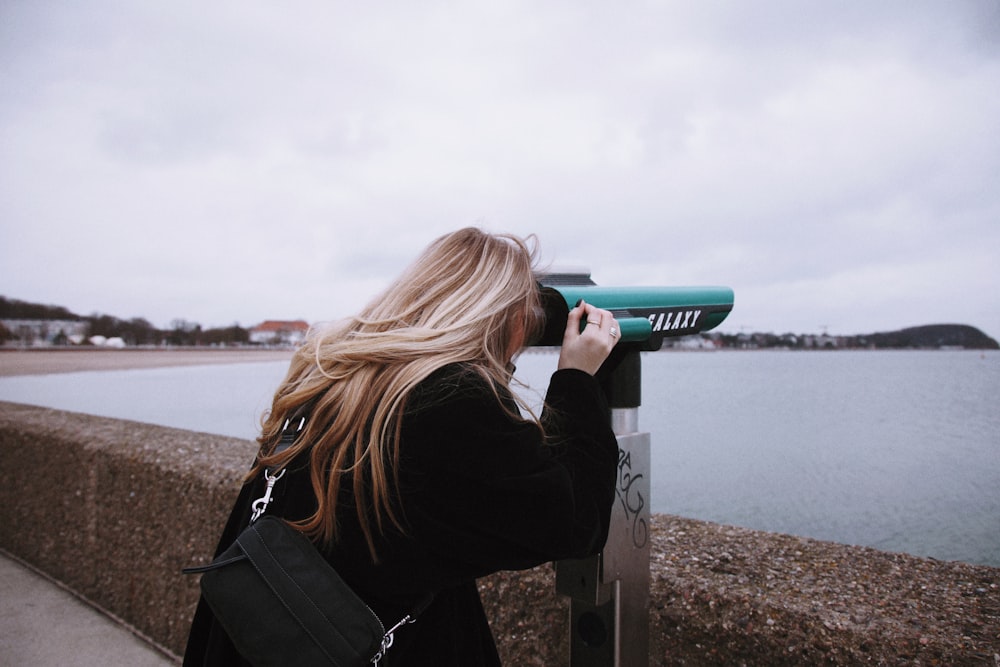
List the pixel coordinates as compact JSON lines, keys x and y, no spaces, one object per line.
{"x":415,"y":472}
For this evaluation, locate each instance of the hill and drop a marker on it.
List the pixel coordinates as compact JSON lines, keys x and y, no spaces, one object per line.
{"x":935,"y":336}
{"x":927,"y":337}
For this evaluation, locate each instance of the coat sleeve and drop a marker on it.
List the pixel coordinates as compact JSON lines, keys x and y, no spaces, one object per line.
{"x":485,"y":492}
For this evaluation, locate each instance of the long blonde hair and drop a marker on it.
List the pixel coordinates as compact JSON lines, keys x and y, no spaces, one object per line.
{"x":460,"y":302}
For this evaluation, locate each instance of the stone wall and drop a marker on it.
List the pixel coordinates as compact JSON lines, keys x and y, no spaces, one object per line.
{"x":114,"y":509}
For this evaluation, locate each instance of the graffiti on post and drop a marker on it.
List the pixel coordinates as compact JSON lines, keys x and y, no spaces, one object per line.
{"x":632,"y":501}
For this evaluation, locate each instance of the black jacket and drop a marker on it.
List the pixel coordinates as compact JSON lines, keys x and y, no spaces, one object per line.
{"x":480,"y":493}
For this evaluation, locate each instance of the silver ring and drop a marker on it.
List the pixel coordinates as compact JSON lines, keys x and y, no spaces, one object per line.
{"x":614,"y":332}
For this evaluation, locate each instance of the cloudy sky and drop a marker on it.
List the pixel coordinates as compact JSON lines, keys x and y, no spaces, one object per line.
{"x":837,"y":164}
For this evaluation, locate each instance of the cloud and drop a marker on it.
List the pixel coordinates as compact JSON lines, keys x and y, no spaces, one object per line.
{"x":245,"y":161}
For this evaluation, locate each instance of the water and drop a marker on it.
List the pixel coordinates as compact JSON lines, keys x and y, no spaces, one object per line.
{"x":895,"y":450}
{"x":226,"y":399}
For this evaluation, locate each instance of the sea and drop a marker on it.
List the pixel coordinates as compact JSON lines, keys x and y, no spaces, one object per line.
{"x":896,"y":450}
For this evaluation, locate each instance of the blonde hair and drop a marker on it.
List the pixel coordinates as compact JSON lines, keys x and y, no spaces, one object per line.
{"x":459,"y":302}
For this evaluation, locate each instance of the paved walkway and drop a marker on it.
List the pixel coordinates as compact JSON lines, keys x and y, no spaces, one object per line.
{"x":42,"y":624}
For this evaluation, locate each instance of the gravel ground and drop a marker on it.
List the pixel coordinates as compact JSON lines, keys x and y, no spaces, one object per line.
{"x":752,"y":597}
{"x":722,"y":595}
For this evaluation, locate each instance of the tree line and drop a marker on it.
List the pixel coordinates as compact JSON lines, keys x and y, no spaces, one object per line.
{"x":134,"y":331}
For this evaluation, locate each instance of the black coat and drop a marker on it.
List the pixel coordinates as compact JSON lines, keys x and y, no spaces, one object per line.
{"x":481,"y":492}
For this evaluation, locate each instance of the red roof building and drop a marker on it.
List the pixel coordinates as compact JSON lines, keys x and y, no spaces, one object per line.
{"x":279,"y":332}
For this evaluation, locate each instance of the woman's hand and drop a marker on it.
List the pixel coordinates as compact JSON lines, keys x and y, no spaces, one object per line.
{"x":586,"y":350}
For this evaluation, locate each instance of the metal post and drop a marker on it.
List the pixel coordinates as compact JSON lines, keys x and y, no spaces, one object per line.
{"x":609,"y":592}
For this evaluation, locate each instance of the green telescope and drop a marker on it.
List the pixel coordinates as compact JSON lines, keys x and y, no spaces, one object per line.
{"x":646,"y":315}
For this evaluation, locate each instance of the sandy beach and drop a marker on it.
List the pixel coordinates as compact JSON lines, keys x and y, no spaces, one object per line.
{"x":72,"y":360}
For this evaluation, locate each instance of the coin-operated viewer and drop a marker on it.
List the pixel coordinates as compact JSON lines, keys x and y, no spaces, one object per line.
{"x":609,"y":592}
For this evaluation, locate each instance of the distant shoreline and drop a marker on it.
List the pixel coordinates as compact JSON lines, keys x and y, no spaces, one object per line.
{"x":75,"y":360}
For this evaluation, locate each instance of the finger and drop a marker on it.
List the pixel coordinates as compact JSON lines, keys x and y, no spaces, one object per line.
{"x":600,"y":318}
{"x":614,"y":331}
{"x":595,"y":316}
{"x":609,"y":325}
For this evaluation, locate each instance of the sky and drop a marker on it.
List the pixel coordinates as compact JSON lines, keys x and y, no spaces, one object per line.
{"x":836,"y":164}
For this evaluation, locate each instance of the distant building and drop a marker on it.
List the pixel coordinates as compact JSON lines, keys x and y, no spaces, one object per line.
{"x":279,"y":332}
{"x":46,"y":332}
